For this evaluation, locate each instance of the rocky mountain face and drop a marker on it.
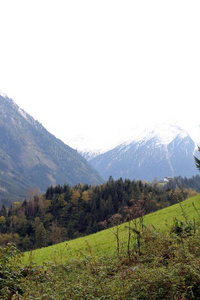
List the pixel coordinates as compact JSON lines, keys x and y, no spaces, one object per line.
{"x":32,"y":157}
{"x":162,"y":151}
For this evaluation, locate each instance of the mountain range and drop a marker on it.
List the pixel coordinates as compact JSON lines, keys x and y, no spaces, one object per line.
{"x":30,"y":156}
{"x":161,"y":150}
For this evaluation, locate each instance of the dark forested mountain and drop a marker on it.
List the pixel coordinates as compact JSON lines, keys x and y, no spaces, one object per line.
{"x":166,"y":150}
{"x":32,"y":157}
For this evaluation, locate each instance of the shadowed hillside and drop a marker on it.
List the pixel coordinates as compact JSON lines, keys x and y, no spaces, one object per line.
{"x":32,"y":157}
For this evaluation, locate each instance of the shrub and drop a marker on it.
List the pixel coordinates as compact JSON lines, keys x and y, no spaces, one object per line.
{"x":10,"y":272}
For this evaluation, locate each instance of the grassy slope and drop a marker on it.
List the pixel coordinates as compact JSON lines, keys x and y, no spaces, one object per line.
{"x":104,"y":243}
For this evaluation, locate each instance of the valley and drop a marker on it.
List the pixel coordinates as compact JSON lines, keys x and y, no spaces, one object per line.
{"x":82,"y":224}
{"x":31,"y":157}
{"x":99,"y":150}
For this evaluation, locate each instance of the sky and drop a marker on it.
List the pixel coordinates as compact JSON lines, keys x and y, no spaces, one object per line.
{"x":97,"y":67}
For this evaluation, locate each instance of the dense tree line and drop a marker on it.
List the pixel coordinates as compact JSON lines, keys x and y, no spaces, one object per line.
{"x":65,"y":213}
{"x":184,"y":182}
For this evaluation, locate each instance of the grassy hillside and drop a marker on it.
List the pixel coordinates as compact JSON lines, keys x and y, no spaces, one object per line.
{"x":104,"y":243}
{"x":161,"y":263}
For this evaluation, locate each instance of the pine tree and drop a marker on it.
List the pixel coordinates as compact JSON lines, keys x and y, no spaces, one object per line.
{"x":197,"y":161}
{"x":3,"y":211}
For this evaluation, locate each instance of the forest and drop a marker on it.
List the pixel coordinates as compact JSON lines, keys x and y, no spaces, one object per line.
{"x":65,"y":212}
{"x":184,"y":182}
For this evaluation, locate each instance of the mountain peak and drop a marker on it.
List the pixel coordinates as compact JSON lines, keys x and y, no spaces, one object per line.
{"x":2,"y":94}
{"x":164,"y":133}
{"x":30,"y":156}
{"x":157,"y":151}
{"x":91,"y":146}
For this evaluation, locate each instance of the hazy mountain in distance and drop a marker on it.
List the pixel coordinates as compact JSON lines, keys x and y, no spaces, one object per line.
{"x":157,"y":151}
{"x":32,"y":157}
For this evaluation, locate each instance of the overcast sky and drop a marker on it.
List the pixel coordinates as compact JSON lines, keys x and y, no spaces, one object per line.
{"x":97,"y":66}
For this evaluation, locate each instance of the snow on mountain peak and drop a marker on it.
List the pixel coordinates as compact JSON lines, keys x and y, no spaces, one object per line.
{"x":86,"y":144}
{"x":2,"y":94}
{"x":23,"y":113}
{"x":163,"y":133}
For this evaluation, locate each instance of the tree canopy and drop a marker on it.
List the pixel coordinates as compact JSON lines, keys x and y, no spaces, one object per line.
{"x":65,"y":212}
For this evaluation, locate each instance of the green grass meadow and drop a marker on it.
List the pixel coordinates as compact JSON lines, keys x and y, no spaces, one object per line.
{"x":103,"y":243}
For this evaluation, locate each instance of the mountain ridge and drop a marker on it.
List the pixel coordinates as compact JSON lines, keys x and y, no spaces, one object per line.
{"x":31,"y":156}
{"x":91,"y":146}
{"x":157,"y":151}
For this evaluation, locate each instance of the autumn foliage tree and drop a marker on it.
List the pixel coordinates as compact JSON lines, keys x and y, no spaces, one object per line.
{"x":65,"y":212}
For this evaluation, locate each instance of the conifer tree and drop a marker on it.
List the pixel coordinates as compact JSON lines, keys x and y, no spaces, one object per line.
{"x":3,"y":211}
{"x":197,"y":161}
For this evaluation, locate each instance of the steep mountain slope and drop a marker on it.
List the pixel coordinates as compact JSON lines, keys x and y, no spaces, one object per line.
{"x":164,"y":150}
{"x":32,"y":157}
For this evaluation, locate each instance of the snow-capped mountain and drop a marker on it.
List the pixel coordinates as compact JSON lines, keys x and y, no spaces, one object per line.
{"x":86,"y":146}
{"x":158,"y":151}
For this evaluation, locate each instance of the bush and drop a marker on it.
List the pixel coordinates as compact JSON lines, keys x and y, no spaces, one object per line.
{"x":10,"y":272}
{"x":161,"y":266}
